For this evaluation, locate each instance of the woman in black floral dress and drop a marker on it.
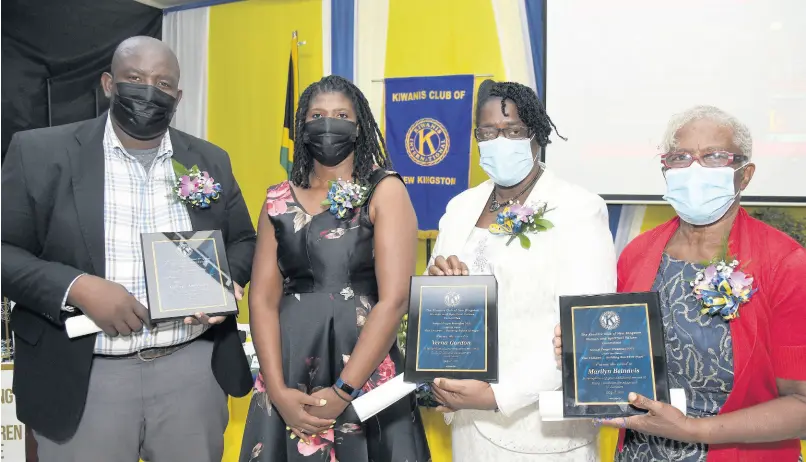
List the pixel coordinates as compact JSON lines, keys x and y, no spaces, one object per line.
{"x":324,"y":317}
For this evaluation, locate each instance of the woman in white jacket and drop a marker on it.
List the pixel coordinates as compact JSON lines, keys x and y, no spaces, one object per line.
{"x":572,"y":253}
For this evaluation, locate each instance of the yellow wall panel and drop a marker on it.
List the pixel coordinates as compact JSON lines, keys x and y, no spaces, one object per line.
{"x":608,"y":439}
{"x":441,"y":38}
{"x":247,"y":75}
{"x":238,"y":408}
{"x":248,"y":71}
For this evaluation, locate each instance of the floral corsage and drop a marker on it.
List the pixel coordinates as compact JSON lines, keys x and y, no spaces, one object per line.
{"x":344,"y":197}
{"x":516,"y":220}
{"x":194,"y":187}
{"x":721,"y":288}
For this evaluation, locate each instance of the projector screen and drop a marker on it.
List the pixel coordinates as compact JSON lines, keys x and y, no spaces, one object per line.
{"x":617,"y":70}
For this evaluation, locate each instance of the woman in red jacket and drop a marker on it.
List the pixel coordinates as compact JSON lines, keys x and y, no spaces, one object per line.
{"x":738,"y":351}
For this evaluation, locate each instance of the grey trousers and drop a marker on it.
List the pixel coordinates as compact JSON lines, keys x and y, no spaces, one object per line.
{"x":170,"y":409}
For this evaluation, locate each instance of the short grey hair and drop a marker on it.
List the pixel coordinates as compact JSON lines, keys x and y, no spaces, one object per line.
{"x":741,"y":134}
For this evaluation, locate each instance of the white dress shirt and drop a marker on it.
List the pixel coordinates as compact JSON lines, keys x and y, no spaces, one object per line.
{"x":135,"y":202}
{"x":576,"y":256}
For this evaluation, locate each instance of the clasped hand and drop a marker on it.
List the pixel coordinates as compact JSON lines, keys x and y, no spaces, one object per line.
{"x":306,"y":415}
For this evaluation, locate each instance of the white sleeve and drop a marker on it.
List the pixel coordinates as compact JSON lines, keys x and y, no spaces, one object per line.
{"x":587,"y":265}
{"x":590,"y":266}
{"x":65,"y":306}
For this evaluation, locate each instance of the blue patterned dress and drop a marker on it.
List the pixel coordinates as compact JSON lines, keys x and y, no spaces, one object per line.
{"x":699,"y":352}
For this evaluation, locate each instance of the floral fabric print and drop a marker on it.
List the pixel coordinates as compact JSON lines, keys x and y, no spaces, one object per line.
{"x":384,"y":373}
{"x":256,"y":452}
{"x":277,"y":199}
{"x":320,"y":443}
{"x":329,"y":289}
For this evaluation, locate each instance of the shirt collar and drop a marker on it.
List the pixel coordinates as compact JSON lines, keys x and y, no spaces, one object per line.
{"x":111,"y":140}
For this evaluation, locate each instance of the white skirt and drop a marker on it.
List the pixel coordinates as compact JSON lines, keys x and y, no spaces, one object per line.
{"x":469,"y":445}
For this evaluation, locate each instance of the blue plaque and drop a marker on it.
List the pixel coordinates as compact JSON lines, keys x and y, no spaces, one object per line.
{"x":187,"y":273}
{"x":452,"y":328}
{"x":612,"y":345}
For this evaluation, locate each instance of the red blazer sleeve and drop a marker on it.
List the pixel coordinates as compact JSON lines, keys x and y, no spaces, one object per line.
{"x":788,"y":317}
{"x":621,"y":268}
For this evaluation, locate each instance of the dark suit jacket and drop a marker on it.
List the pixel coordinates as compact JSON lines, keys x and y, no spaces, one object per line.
{"x":53,"y":230}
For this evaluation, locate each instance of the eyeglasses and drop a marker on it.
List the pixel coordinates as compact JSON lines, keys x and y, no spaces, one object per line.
{"x":714,"y":159}
{"x":517,"y":132}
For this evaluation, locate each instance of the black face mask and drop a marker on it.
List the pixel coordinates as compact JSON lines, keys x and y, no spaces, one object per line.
{"x":330,"y":140}
{"x":142,"y":111}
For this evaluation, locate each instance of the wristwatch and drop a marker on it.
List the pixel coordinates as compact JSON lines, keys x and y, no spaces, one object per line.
{"x":352,"y":392}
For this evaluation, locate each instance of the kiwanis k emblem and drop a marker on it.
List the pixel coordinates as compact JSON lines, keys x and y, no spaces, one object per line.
{"x":427,"y":142}
{"x":609,"y":320}
{"x":452,"y":299}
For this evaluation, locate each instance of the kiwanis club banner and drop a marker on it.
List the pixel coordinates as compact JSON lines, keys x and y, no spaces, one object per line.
{"x":428,"y":130}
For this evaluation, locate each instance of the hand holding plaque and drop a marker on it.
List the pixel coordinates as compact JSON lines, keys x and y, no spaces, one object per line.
{"x":201,"y":318}
{"x":452,"y":329}
{"x":450,"y":266}
{"x":187,"y":275}
{"x":611,"y":345}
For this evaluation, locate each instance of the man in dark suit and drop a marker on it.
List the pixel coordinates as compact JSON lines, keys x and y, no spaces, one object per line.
{"x":75,"y":199}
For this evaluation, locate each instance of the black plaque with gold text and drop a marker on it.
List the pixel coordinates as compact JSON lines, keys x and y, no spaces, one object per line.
{"x":612,"y":344}
{"x":452,"y":328}
{"x":187,"y":273}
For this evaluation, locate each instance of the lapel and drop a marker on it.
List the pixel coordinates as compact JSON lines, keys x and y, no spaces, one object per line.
{"x":743,"y":329}
{"x":541,"y":192}
{"x":201,"y":219}
{"x":647,"y":270}
{"x":87,"y":165}
{"x":459,"y":226}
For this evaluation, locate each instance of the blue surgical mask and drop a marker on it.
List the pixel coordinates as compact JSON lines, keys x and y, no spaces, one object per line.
{"x":507,"y":162}
{"x":700,"y":195}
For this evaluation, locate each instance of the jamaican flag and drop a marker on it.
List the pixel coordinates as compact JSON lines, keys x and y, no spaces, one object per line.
{"x":291,"y":98}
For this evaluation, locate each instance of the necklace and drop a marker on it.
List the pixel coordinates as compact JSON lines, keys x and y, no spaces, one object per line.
{"x":320,"y":178}
{"x":495,"y":205}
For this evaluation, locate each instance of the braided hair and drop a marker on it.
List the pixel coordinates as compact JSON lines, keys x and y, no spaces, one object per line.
{"x":530,"y":108}
{"x":370,"y":147}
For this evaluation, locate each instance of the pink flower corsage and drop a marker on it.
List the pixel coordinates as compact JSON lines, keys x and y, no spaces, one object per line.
{"x":721,"y":289}
{"x":516,"y":220}
{"x":194,"y":187}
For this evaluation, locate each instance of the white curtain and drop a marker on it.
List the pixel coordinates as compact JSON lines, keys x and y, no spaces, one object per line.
{"x":187,"y":33}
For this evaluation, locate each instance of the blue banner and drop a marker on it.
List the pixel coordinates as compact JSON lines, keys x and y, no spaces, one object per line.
{"x":428,"y":132}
